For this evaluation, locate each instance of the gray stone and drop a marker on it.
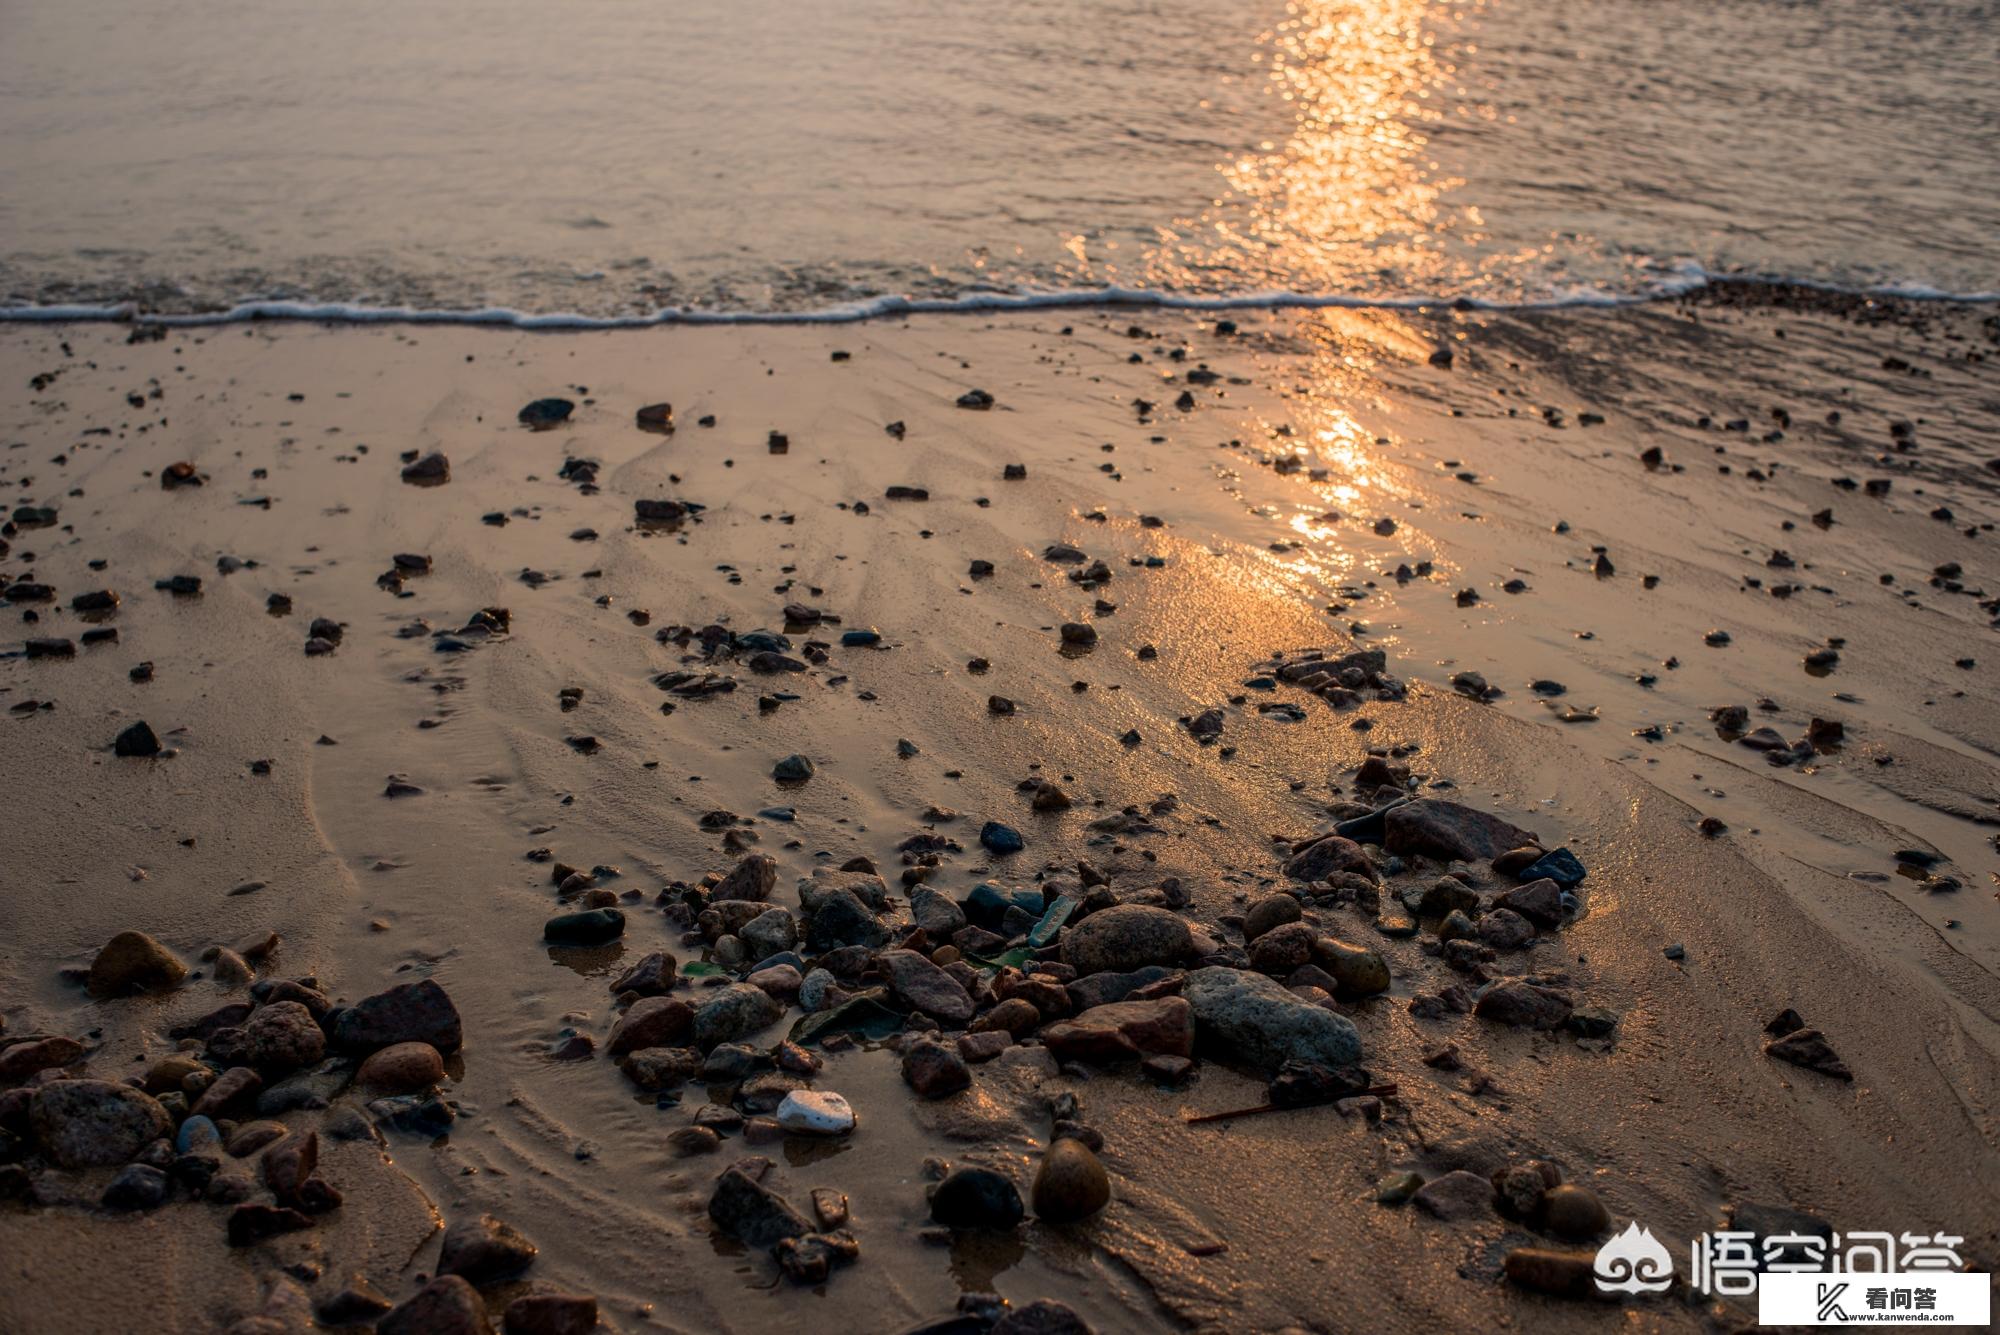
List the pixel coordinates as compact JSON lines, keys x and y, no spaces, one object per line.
{"x":92,"y":1123}
{"x":1255,"y":1020}
{"x":1126,"y":937}
{"x":733,"y":1012}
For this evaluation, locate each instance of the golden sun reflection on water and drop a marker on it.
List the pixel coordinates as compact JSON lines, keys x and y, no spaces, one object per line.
{"x":1352,"y":192}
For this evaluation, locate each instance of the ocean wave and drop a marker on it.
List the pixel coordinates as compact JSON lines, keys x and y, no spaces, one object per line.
{"x":1686,"y":280}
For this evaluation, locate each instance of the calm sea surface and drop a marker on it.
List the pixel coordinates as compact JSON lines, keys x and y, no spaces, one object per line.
{"x":615,"y":157}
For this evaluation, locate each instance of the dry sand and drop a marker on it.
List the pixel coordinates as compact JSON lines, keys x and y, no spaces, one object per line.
{"x":1270,"y":488}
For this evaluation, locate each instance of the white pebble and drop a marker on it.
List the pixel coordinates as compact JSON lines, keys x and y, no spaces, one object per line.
{"x":817,"y":1111}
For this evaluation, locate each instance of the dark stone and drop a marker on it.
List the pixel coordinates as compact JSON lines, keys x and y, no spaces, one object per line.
{"x":590,"y":927}
{"x":1434,"y":828}
{"x":137,"y":740}
{"x":419,"y":1012}
{"x":484,"y":1250}
{"x":1560,"y":866}
{"x":752,"y":1213}
{"x":977,"y":1198}
{"x":448,"y":1305}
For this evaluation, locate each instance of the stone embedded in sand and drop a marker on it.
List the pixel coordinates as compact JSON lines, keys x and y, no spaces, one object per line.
{"x":419,"y":1012}
{"x":1809,"y":1048}
{"x":1269,"y":912}
{"x":589,"y":927}
{"x":432,"y":468}
{"x":729,"y":1013}
{"x":1444,"y":830}
{"x":1126,"y":937}
{"x":136,"y":740}
{"x":1558,"y":1273}
{"x":1256,"y":1020}
{"x":933,"y":1070}
{"x":1458,"y":1195}
{"x":753,"y":878}
{"x":657,"y":418}
{"x":550,"y":1314}
{"x":793,"y":769}
{"x":485,"y":1250}
{"x":138,"y":1186}
{"x":922,"y":986}
{"x":818,"y":1112}
{"x":1523,"y":1005}
{"x":751,"y":1212}
{"x":134,"y":962}
{"x":22,"y":1059}
{"x":977,"y":1198}
{"x":652,"y":1022}
{"x":1124,"y":1031}
{"x":289,"y":1164}
{"x":277,"y":1040}
{"x":1357,"y":971}
{"x":543,"y":414}
{"x":402,"y":1068}
{"x":660,"y":1068}
{"x":1324,"y":857}
{"x":1574,"y":1212}
{"x":1000,"y":839}
{"x":448,"y":1305}
{"x":253,"y":1222}
{"x":1071,"y":1183}
{"x":93,"y":1123}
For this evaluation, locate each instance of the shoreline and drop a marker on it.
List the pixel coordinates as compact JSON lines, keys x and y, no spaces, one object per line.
{"x":1271,"y":493}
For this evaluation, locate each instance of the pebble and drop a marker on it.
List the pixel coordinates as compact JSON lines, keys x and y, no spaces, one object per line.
{"x":1071,"y":1183}
{"x":402,"y":1068}
{"x":976,"y":1198}
{"x":815,"y":1112}
{"x":484,"y":1250}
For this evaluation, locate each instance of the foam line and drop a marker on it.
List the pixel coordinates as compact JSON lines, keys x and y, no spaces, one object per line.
{"x":1689,"y":279}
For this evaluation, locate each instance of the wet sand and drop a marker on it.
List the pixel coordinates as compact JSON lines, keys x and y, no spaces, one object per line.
{"x":1246,"y":525}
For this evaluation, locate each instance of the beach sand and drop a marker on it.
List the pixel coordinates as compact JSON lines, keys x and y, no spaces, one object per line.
{"x":1246,"y":525}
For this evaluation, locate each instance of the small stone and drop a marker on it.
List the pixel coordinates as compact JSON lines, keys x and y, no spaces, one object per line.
{"x":134,"y":962}
{"x":1071,"y":1183}
{"x":1574,"y":1213}
{"x":136,"y":740}
{"x":92,"y":1123}
{"x":976,"y":1198}
{"x":137,"y":1187}
{"x":550,"y":1314}
{"x":402,"y":1068}
{"x":793,"y":769}
{"x":1456,"y":1196}
{"x":485,"y":1250}
{"x":1809,"y":1048}
{"x":817,"y":1112}
{"x":934,"y":1071}
{"x":751,"y":1212}
{"x":448,"y":1305}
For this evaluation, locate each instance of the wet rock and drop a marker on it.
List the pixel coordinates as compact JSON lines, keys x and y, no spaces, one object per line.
{"x":402,"y":1068}
{"x":1523,"y":1005}
{"x":1808,"y":1048}
{"x":934,"y":1071}
{"x":134,"y":962}
{"x":1457,"y":1195}
{"x":652,"y":1022}
{"x":1574,"y":1213}
{"x":92,"y":1123}
{"x":793,"y":769}
{"x":977,"y":1198}
{"x":1432,"y":827}
{"x":543,"y":414}
{"x":359,"y":1303}
{"x":1000,"y":839}
{"x":1071,"y":1183}
{"x":419,"y":1012}
{"x":1124,"y":1031}
{"x":1323,"y":858}
{"x":1126,"y":937}
{"x":922,"y":986}
{"x":751,"y":1212}
{"x":729,"y":1013}
{"x":652,"y":976}
{"x":484,"y":1250}
{"x":661,"y":1068}
{"x":550,"y":1314}
{"x":448,"y":1305}
{"x":817,"y":1112}
{"x":289,"y":1164}
{"x":1561,"y":866}
{"x":751,"y":879}
{"x":589,"y":927}
{"x":137,"y":1187}
{"x":1257,"y":1021}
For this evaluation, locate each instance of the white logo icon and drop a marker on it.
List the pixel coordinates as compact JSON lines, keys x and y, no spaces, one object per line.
{"x":1634,"y":1262}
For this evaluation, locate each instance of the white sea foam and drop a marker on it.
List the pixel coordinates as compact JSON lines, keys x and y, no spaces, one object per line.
{"x":1686,"y":279}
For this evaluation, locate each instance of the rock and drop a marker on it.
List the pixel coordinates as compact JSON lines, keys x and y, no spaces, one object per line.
{"x":753,"y":878}
{"x":1458,"y":1195}
{"x":1000,"y":839}
{"x":1126,"y":937}
{"x":1269,"y":912}
{"x":1522,"y":1004}
{"x":1324,"y":857}
{"x":231,"y":1093}
{"x":1098,"y":989}
{"x":1539,"y":901}
{"x":543,"y":414}
{"x":976,"y":1198}
{"x":726,"y":1014}
{"x":134,"y":962}
{"x":1124,"y":1031}
{"x":137,"y":1187}
{"x":936,"y":913}
{"x":652,"y":1022}
{"x":1544,"y":1270}
{"x":1561,"y":866}
{"x":448,"y":1305}
{"x":1808,"y":1048}
{"x":484,"y":1250}
{"x":770,"y":933}
{"x":402,"y":1068}
{"x":419,"y":1012}
{"x":841,"y":919}
{"x":93,"y":1123}
{"x":1442,"y":830}
{"x":589,"y":927}
{"x":136,"y":740}
{"x":1282,"y":949}
{"x":21,"y":1060}
{"x":1574,"y":1213}
{"x":1445,"y":896}
{"x":433,"y":467}
{"x":751,"y":1212}
{"x":817,"y":1112}
{"x":279,"y":1039}
{"x":934,"y":1071}
{"x":1044,"y":1316}
{"x":1255,"y":1020}
{"x":793,"y":769}
{"x":289,"y":1164}
{"x":1071,"y":1184}
{"x":1504,"y":929}
{"x":652,"y":976}
{"x":922,"y":986}
{"x":550,"y":1314}
{"x":359,"y":1303}
{"x":251,"y":1223}
{"x":1359,"y":971}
